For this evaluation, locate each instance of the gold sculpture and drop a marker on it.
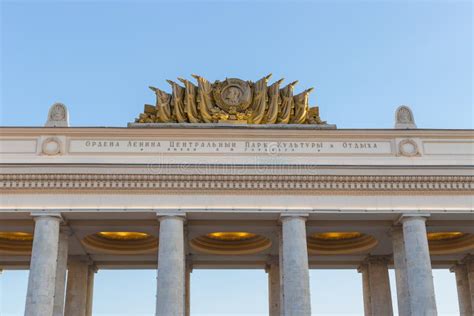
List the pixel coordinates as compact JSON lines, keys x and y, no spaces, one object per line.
{"x":231,"y":101}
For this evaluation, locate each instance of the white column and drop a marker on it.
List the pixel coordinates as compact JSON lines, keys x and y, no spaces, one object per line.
{"x":61,"y":269}
{"x":418,"y":265}
{"x":280,"y":263}
{"x":295,"y":270}
{"x":90,"y":288}
{"x":170,"y":281}
{"x":376,"y":286}
{"x":42,"y":277}
{"x":76,"y":290}
{"x":401,"y":276}
{"x":273,"y":270}
{"x":464,"y":293}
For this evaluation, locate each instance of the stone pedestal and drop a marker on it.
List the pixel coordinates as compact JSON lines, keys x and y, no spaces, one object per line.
{"x":273,"y":270}
{"x":418,"y":266}
{"x":464,"y":292}
{"x":294,"y":267}
{"x":61,"y":269}
{"x":76,"y":290}
{"x":171,"y":271}
{"x":376,"y":286}
{"x":42,"y":277}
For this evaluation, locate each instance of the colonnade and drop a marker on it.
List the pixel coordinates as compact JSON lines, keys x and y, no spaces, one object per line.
{"x":289,"y":292}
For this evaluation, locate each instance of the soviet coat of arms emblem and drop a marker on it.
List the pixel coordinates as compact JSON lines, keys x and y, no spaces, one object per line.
{"x":231,"y":101}
{"x":232,"y":95}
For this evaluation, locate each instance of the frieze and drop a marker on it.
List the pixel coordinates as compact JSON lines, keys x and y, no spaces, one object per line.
{"x":229,"y":146}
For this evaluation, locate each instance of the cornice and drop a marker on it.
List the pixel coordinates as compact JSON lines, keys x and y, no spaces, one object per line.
{"x":228,"y":132}
{"x":160,"y":183}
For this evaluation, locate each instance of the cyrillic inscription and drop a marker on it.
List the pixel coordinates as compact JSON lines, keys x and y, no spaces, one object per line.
{"x":230,"y":146}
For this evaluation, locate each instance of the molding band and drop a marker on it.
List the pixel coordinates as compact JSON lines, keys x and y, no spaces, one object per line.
{"x":47,"y":183}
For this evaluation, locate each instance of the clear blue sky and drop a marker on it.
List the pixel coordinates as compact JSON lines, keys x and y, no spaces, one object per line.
{"x":363,"y":57}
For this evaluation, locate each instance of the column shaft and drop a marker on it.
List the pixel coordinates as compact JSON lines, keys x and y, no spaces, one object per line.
{"x":379,"y":286}
{"x":295,"y":270}
{"x":470,"y":278}
{"x":42,"y":277}
{"x":76,"y":290}
{"x":364,"y":270}
{"x":170,"y":281}
{"x":61,"y":269}
{"x":464,"y":293}
{"x":273,"y":270}
{"x":418,"y":265}
{"x":401,"y":276}
{"x":188,"y":290}
{"x":90,"y":289}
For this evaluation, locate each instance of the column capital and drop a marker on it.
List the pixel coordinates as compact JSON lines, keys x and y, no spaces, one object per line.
{"x":412,"y":216}
{"x":395,"y":227}
{"x":457,"y":266}
{"x":81,"y":259}
{"x":189,"y":262}
{"x":386,"y":259}
{"x":378,"y":259}
{"x":93,"y":267}
{"x":289,"y":215}
{"x":362,"y":267}
{"x":66,"y":230}
{"x":468,"y":259}
{"x":42,"y":214}
{"x":271,"y":261}
{"x":167,"y":214}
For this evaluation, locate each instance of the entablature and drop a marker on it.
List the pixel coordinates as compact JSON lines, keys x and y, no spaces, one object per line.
{"x":236,"y":146}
